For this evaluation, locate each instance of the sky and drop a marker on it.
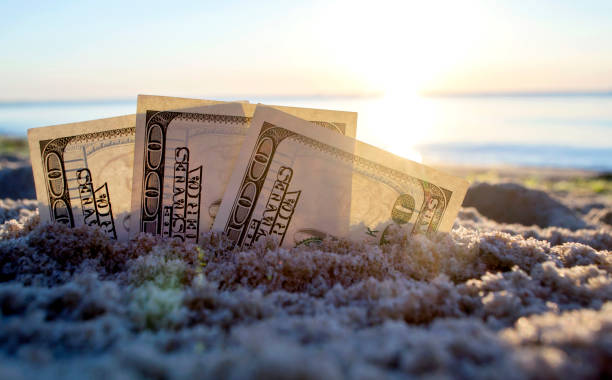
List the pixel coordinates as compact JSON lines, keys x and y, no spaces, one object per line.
{"x":65,"y":50}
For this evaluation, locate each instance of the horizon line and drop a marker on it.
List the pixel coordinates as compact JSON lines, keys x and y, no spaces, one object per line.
{"x":226,"y":97}
{"x":519,"y":93}
{"x":236,"y":97}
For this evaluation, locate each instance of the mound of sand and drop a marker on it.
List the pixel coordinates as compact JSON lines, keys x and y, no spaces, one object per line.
{"x":513,"y":203}
{"x":487,"y":300}
{"x":521,"y":288}
{"x":16,"y":179}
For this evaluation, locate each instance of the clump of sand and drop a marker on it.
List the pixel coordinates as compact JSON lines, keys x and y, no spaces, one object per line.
{"x":513,"y":203}
{"x":16,"y":179}
{"x":488,"y":299}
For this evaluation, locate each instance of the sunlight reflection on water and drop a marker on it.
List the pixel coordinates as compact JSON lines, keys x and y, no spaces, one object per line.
{"x":425,"y":129}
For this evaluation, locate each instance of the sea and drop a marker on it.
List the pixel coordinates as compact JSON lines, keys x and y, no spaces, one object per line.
{"x":553,"y":130}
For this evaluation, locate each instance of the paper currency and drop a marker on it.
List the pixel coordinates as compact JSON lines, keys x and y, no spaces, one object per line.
{"x":184,"y":155}
{"x":300,"y":184}
{"x":83,"y":173}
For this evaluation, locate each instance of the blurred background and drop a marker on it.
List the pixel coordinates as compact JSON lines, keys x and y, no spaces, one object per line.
{"x":470,"y":82}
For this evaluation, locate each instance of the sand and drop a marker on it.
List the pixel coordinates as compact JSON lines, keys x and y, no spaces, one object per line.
{"x":520,"y":288}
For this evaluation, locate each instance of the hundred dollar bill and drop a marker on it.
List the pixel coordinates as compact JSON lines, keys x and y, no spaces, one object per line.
{"x":184,"y":155}
{"x":298,"y":184}
{"x":83,"y":173}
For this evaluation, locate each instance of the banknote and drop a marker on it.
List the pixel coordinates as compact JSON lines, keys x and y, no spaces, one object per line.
{"x":184,"y":154}
{"x":83,"y":173}
{"x":299,"y":184}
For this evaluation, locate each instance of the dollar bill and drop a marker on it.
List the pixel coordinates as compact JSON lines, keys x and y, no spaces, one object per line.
{"x":83,"y":173}
{"x":184,"y":155}
{"x":299,"y":184}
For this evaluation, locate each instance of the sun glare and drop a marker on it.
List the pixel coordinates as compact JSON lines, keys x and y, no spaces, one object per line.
{"x":396,"y":123}
{"x":397,"y":50}
{"x":402,"y":46}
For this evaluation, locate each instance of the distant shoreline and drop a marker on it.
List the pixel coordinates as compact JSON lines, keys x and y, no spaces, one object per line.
{"x":428,"y":94}
{"x":521,"y":94}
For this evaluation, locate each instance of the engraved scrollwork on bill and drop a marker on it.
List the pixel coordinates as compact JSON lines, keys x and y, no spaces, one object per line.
{"x":155,"y":217}
{"x":56,"y":180}
{"x":259,"y":163}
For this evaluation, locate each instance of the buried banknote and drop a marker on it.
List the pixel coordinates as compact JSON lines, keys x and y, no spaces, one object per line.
{"x":299,"y":183}
{"x":184,"y":156}
{"x":83,"y":173}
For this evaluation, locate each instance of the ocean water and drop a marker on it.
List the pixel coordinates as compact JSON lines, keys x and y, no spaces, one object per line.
{"x":553,"y":130}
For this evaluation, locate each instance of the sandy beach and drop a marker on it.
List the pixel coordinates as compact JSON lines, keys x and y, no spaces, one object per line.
{"x":513,"y":100}
{"x":520,"y":288}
